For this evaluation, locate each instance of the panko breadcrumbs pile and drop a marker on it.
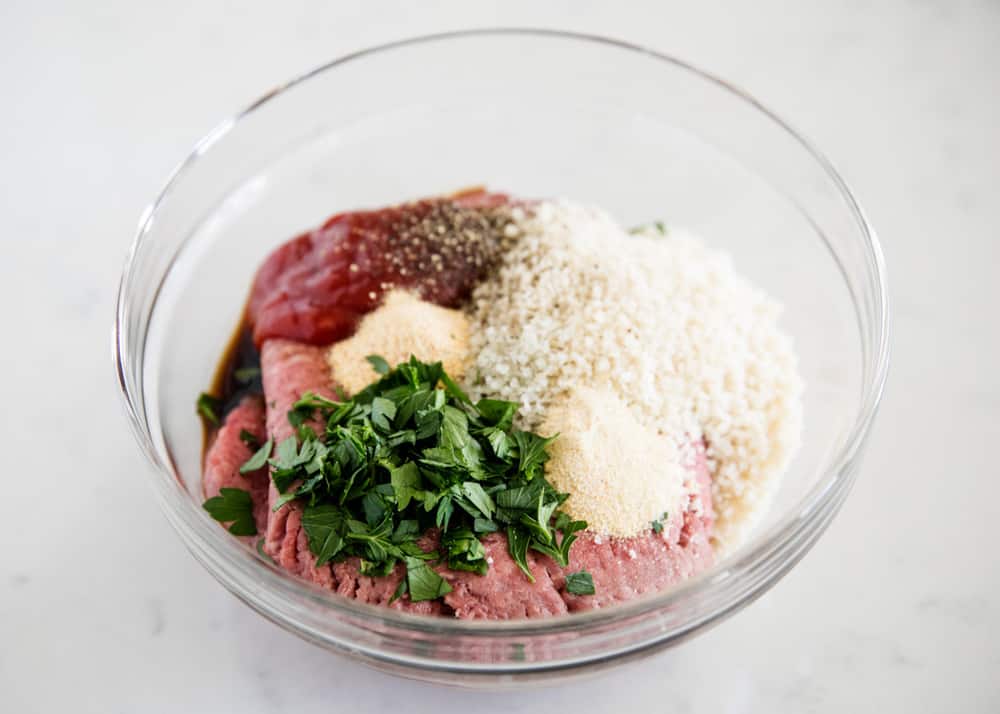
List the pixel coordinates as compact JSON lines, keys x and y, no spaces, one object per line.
{"x":662,"y":322}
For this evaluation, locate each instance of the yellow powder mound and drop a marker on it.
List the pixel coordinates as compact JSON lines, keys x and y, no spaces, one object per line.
{"x":621,"y":475}
{"x":404,"y":325}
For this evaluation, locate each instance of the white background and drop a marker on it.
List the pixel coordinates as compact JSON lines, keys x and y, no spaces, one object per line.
{"x":101,"y":609}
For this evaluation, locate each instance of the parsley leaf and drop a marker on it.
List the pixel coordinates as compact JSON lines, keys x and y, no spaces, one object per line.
{"x":378,"y":364}
{"x":376,"y":539}
{"x":656,"y":227}
{"x":249,"y":439}
{"x":286,"y":453}
{"x":259,"y":458}
{"x":422,"y":582}
{"x":311,"y":401}
{"x":658,"y":523}
{"x":453,"y":390}
{"x":478,"y":498}
{"x":484,"y":525}
{"x":399,"y":592}
{"x":325,"y":526}
{"x":499,"y":441}
{"x":262,"y":554}
{"x":464,"y":551}
{"x":383,"y":412}
{"x":531,"y":452}
{"x":445,"y":509}
{"x":246,"y":375}
{"x":405,"y":482}
{"x":497,"y":413}
{"x":235,"y":505}
{"x":522,"y":497}
{"x":517,"y":546}
{"x":580,"y":583}
{"x":209,"y":407}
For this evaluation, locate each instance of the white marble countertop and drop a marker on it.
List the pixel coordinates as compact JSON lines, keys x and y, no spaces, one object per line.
{"x":101,"y":609}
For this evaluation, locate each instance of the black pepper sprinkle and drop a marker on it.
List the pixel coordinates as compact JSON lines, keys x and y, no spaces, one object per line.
{"x":449,"y":235}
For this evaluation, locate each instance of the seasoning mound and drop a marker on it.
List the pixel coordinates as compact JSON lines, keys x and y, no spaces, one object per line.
{"x":667,"y":325}
{"x":620,"y":475}
{"x":404,"y":325}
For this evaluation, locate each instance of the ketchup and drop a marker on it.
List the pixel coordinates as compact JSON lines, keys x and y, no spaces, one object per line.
{"x":316,"y":287}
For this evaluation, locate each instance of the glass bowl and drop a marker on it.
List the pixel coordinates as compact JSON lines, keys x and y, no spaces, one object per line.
{"x":539,"y":114}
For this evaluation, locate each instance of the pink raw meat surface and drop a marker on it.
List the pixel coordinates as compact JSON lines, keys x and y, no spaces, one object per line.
{"x":379,"y":591}
{"x":228,"y":452}
{"x":626,"y":568}
{"x":622,"y":568}
{"x":504,"y":593}
{"x":288,"y":370}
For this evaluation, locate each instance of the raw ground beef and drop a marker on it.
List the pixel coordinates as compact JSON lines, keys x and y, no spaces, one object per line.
{"x":228,"y":452}
{"x":289,"y":369}
{"x":625,"y":568}
{"x":622,"y":568}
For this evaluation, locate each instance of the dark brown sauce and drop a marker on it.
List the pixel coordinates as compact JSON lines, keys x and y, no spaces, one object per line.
{"x":231,"y":381}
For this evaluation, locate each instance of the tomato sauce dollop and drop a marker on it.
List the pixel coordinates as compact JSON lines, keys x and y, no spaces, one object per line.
{"x":316,"y":287}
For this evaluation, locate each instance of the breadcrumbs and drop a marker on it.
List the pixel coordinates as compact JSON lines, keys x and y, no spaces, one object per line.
{"x":692,"y":348}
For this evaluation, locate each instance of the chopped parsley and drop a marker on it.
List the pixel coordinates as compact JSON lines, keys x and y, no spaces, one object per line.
{"x":233,"y":504}
{"x":408,"y":453}
{"x":262,"y":554}
{"x":657,"y":227}
{"x":259,"y":458}
{"x":423,"y":582}
{"x":246,"y":375}
{"x":378,"y":364}
{"x":658,"y":523}
{"x":580,"y":583}
{"x":209,"y":407}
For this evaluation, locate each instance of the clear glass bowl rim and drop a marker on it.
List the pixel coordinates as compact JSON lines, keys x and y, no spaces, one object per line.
{"x":772,"y":552}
